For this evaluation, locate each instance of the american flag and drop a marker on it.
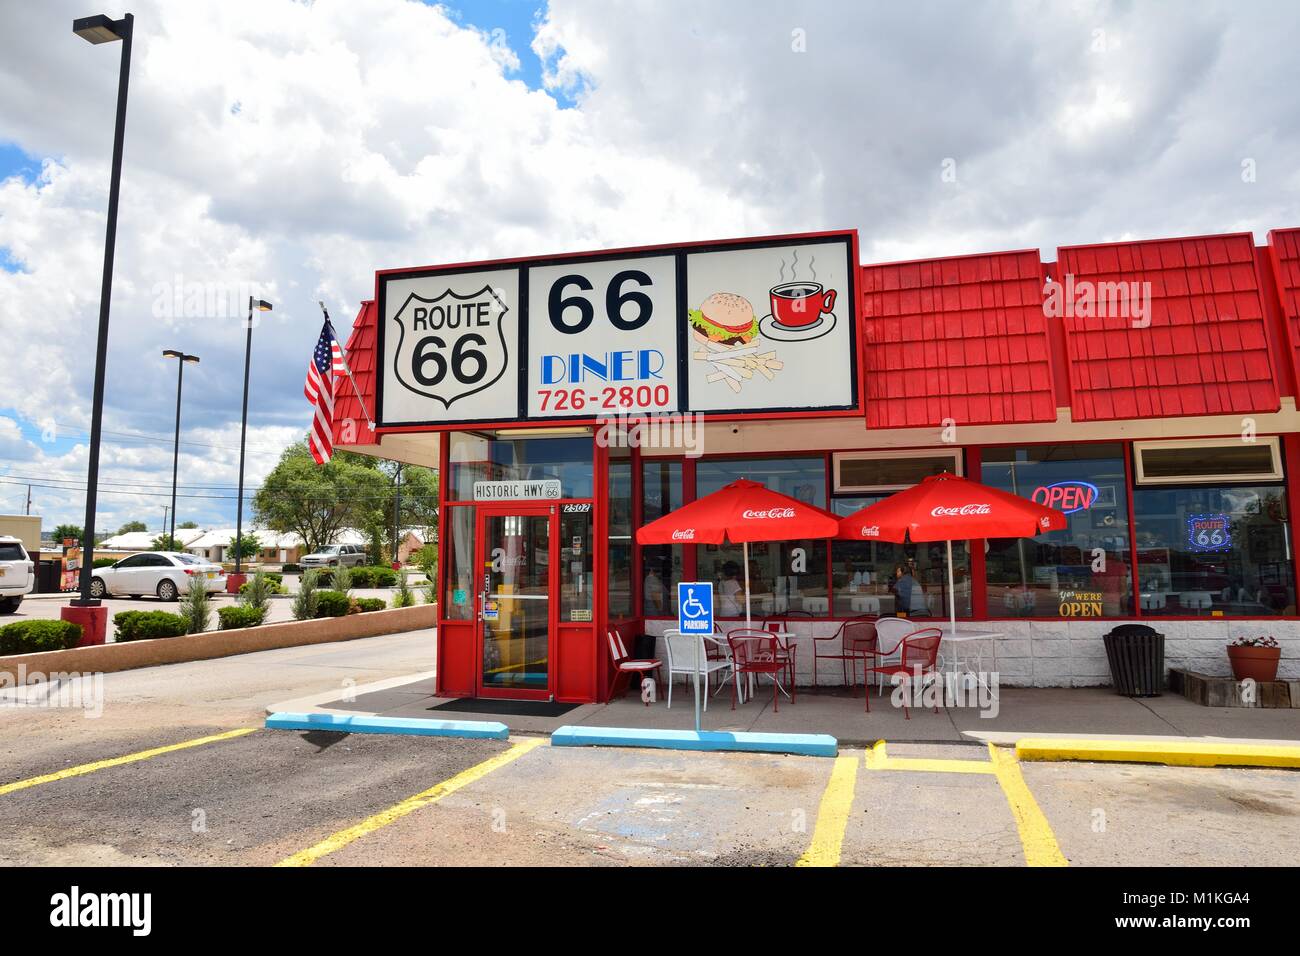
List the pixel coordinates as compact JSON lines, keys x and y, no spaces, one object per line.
{"x":325,"y":362}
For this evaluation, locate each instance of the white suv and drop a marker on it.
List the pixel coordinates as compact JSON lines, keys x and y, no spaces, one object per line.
{"x":17,"y":574}
{"x":333,"y":555}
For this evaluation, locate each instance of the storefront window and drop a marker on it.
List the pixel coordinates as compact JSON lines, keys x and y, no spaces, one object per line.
{"x":661,"y":564}
{"x":1220,"y":550}
{"x":784,"y":575}
{"x":576,"y":563}
{"x":1082,"y":571}
{"x":476,"y":457}
{"x":877,"y":577}
{"x":458,"y":596}
{"x":620,"y":533}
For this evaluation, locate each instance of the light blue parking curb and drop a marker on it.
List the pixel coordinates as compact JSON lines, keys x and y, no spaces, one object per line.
{"x":808,"y":745}
{"x":360,"y":724}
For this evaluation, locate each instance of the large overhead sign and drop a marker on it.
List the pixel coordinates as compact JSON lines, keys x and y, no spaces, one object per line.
{"x":744,"y":327}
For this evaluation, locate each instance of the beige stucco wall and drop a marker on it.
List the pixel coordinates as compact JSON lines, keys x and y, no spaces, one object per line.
{"x":26,"y":527}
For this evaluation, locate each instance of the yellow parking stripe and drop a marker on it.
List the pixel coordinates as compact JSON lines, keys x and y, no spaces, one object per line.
{"x":879,"y":759}
{"x":435,"y":793}
{"x":118,"y":761}
{"x":832,"y":815}
{"x":1036,"y":836}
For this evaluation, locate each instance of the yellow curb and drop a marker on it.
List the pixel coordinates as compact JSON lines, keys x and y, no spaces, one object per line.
{"x":1175,"y":753}
{"x":1036,"y":836}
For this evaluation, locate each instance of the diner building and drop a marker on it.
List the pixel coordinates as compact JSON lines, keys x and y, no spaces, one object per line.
{"x":1147,"y":389}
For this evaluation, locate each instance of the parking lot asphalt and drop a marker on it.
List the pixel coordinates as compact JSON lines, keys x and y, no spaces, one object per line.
{"x":177,"y":769}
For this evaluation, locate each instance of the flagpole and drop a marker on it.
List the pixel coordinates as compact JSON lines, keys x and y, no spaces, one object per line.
{"x":348,"y":368}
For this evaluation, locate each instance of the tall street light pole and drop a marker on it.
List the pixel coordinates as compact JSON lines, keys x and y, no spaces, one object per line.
{"x":101,"y":29}
{"x":260,"y":305}
{"x":176,"y":448}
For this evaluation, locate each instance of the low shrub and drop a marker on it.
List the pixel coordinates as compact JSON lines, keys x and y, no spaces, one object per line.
{"x":290,"y":568}
{"x":385,"y":577}
{"x":146,"y":625}
{"x":363,"y":577}
{"x":236,"y":616}
{"x":272,"y":586}
{"x":332,"y":604}
{"x":324,"y":577}
{"x":403,"y":596}
{"x":276,"y":576}
{"x":196,"y":606}
{"x":30,"y":637}
{"x":306,"y":601}
{"x":104,"y":562}
{"x":371,"y":604}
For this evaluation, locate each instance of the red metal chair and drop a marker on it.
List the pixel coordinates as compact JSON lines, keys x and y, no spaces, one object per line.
{"x":920,"y":651}
{"x":755,"y":651}
{"x":859,"y":642}
{"x":843,"y":656}
{"x":784,"y":626}
{"x":625,"y":667}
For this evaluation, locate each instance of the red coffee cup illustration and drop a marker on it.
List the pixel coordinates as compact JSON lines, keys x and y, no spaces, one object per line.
{"x":800,"y":310}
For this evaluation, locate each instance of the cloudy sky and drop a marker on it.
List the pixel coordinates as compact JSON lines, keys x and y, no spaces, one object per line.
{"x":288,"y":149}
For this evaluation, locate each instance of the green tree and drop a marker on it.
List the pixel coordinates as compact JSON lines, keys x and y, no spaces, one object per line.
{"x":316,"y":502}
{"x":63,"y":531}
{"x":418,"y":504}
{"x":185,"y":524}
{"x":165,"y":542}
{"x":132,"y":526}
{"x":245,"y":546}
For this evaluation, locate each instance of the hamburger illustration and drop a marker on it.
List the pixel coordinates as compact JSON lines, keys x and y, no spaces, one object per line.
{"x":725,"y":318}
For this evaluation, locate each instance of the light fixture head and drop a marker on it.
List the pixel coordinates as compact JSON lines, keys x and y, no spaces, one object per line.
{"x":261,"y":305}
{"x":101,"y":29}
{"x":172,"y":353}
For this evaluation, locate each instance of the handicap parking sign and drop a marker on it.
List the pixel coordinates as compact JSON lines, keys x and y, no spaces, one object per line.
{"x":695,"y":607}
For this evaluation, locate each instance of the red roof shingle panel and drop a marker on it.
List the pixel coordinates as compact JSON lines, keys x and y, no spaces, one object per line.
{"x":962,"y":338}
{"x":1284,"y":249}
{"x":351,"y":423}
{"x":1204,"y":349}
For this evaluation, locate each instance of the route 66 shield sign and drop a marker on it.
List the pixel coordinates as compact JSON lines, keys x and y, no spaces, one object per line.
{"x":452,"y":345}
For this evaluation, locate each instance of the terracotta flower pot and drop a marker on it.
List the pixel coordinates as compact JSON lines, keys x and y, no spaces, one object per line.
{"x":1257,"y":663}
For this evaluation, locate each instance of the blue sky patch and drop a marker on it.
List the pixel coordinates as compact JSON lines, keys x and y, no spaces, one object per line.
{"x":514,"y":18}
{"x":14,"y":162}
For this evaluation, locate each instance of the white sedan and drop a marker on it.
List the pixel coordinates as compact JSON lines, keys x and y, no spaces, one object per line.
{"x":164,"y":573}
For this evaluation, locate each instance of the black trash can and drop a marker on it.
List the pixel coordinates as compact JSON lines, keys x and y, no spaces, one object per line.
{"x":1136,"y":654}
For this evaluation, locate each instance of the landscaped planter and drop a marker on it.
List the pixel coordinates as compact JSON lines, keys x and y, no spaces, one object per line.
{"x":1254,"y":663}
{"x":104,"y":658}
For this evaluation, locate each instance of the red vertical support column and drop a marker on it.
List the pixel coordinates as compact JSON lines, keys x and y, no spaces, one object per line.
{"x":600,"y":522}
{"x":1135,"y":585}
{"x":1291,"y":464}
{"x":979,"y":592}
{"x":689,"y":566}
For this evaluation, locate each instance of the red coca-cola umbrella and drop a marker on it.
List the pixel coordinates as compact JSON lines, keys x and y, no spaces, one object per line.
{"x":950,"y":508}
{"x":740,"y":512}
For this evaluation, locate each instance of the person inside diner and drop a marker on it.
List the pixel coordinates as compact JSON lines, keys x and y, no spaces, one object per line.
{"x":731,"y":595}
{"x":909,"y":596}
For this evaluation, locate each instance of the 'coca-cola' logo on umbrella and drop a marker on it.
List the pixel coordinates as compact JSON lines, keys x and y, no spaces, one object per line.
{"x":960,"y":511}
{"x":684,"y":534}
{"x":871,"y":531}
{"x":769,"y":513}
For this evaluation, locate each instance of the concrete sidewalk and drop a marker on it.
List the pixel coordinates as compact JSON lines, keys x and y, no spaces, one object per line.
{"x":1022,"y":712}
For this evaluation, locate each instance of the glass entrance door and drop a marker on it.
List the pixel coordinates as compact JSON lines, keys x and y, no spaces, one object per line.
{"x":515,"y":605}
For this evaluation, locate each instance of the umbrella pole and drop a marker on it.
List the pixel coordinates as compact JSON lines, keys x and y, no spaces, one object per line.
{"x":745,"y":549}
{"x":952,"y":593}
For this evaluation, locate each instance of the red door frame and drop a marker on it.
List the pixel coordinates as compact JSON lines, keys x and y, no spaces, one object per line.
{"x":527,"y":509}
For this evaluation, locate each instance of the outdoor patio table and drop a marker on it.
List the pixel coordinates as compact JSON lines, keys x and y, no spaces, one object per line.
{"x":963,"y":642}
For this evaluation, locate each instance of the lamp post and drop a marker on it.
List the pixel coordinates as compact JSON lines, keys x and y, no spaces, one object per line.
{"x":176,"y":448}
{"x":237,"y":579}
{"x":85,"y":610}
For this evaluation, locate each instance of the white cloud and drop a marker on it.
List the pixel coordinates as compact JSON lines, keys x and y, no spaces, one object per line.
{"x":294,"y":148}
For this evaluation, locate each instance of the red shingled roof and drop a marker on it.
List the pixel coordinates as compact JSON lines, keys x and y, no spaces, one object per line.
{"x":961,"y":338}
{"x":360,"y":349}
{"x":1205,"y":351}
{"x":1284,"y":247}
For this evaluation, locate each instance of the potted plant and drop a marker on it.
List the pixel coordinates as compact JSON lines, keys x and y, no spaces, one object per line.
{"x":1255,"y":658}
